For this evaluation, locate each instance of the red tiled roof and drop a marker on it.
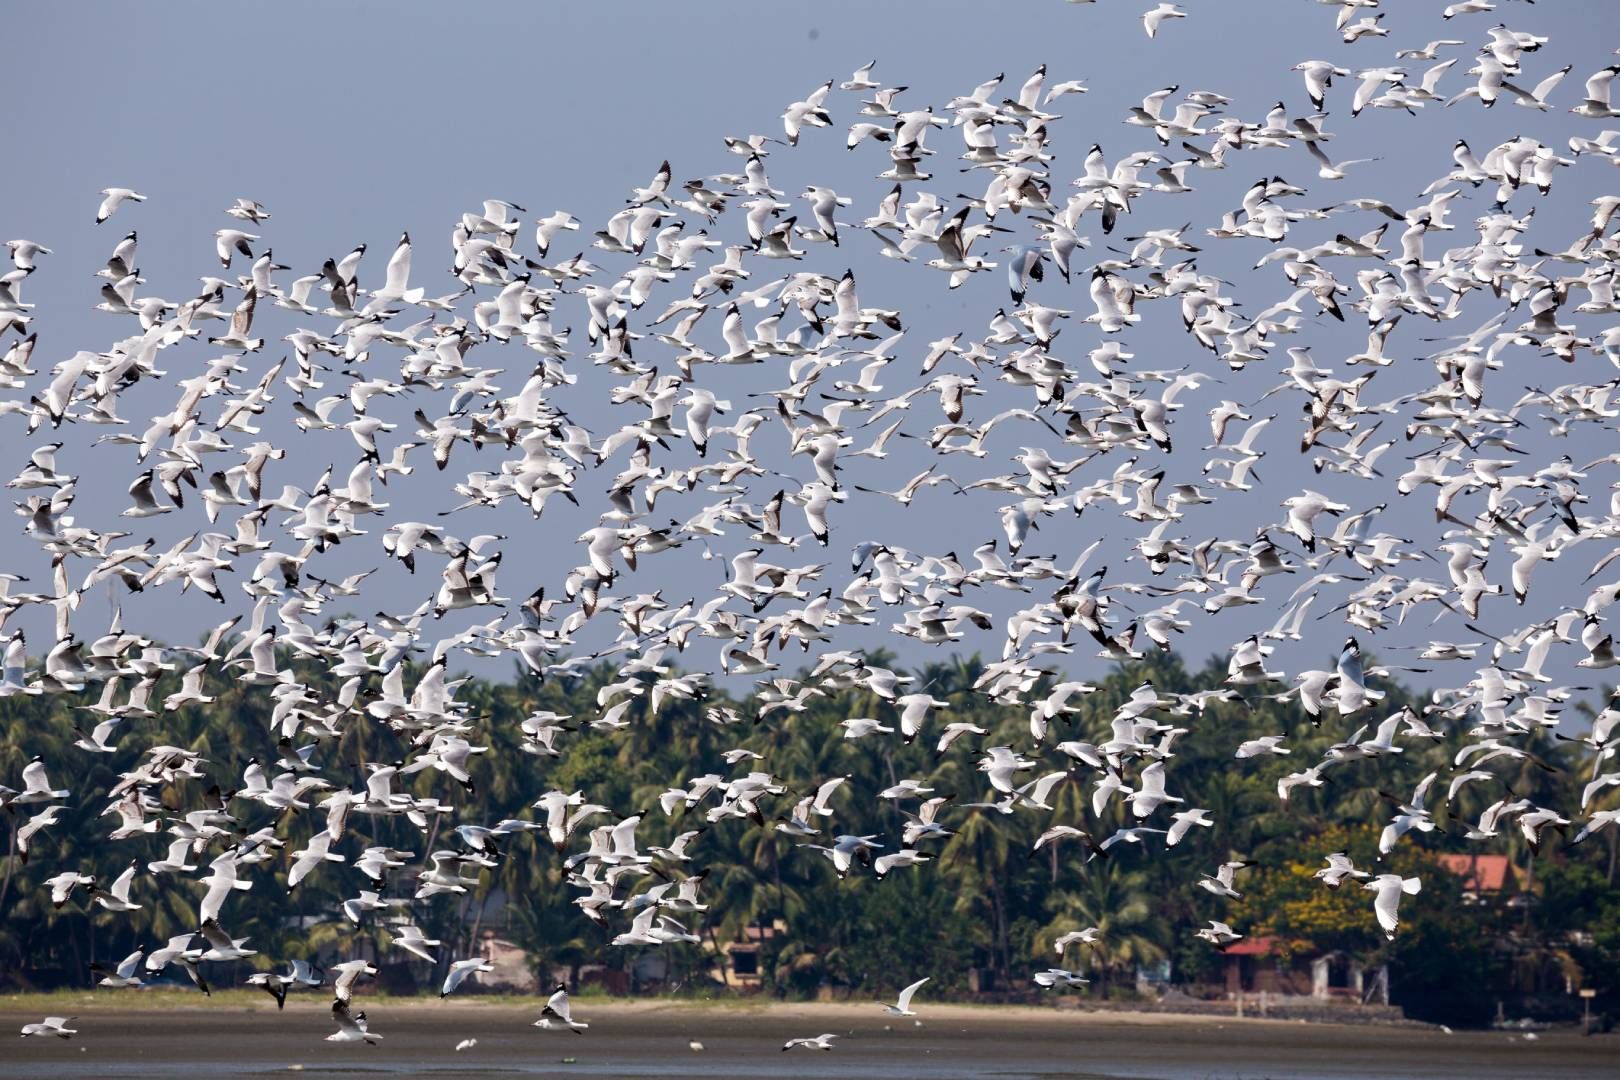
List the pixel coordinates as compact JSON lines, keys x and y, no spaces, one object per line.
{"x":1253,"y":946}
{"x":1480,"y":873}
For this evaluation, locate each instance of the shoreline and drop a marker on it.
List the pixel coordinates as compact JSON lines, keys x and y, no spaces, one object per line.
{"x":124,"y":1036}
{"x":253,"y":1001}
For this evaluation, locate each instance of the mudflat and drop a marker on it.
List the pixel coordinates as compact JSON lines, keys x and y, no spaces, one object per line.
{"x":646,"y":1039}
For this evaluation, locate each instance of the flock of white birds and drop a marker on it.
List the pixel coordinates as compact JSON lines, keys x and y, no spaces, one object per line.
{"x":729,"y":266}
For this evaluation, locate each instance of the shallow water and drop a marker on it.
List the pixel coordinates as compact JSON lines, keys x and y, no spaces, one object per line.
{"x":419,"y":1041}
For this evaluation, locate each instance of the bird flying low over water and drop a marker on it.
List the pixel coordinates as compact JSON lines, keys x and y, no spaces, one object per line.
{"x":51,"y":1025}
{"x":902,"y":1004}
{"x":351,"y":1026}
{"x":557,"y":1008}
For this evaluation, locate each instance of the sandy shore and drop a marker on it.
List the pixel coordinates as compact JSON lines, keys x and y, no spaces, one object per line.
{"x":251,"y":1001}
{"x":123,"y":1036}
{"x":257,"y":1001}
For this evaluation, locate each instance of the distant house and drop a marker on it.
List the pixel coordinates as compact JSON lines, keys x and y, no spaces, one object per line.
{"x":741,"y":968}
{"x":1338,"y":976}
{"x":513,"y":971}
{"x":1258,"y":965}
{"x":1485,"y":878}
{"x":650,"y":967}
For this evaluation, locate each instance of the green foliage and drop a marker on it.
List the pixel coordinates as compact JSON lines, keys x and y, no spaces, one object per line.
{"x":1580,"y":900}
{"x":986,"y":901}
{"x":1282,"y":896}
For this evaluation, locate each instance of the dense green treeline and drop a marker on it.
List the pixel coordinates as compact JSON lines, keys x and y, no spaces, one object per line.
{"x":985,"y":902}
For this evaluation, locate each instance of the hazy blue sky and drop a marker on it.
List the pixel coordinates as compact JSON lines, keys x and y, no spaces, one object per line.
{"x":353,"y":122}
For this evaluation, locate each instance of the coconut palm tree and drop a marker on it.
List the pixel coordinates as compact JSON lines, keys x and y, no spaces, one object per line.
{"x":1117,"y":901}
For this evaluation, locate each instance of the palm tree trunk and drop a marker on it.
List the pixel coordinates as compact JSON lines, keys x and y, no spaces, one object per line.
{"x":781,"y":890}
{"x":1529,"y":884}
{"x":433,"y":832}
{"x":478,"y":922}
{"x":998,"y":906}
{"x":719,"y":953}
{"x":11,"y":862}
